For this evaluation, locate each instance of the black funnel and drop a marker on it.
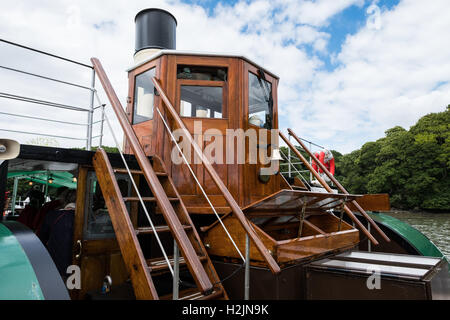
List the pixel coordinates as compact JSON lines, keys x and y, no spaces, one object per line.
{"x":155,"y":29}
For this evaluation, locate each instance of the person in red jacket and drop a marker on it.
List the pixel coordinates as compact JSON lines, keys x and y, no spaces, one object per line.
{"x":327,"y":159}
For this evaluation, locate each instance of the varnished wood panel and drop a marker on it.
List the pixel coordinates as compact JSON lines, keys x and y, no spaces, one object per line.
{"x":296,"y":249}
{"x":218,"y":243}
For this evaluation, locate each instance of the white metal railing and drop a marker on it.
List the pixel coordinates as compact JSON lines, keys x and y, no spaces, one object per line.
{"x":89,"y":137}
{"x":289,"y":163}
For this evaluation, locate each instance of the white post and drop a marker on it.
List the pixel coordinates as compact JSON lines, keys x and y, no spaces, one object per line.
{"x":289,"y":157}
{"x":176,"y":270}
{"x":90,"y":114}
{"x":14,"y":195}
{"x":247,"y":268}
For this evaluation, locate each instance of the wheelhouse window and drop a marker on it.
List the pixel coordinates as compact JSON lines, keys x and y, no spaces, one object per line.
{"x":201,"y":73}
{"x":201,"y":101}
{"x":143,"y":97}
{"x":260,"y":103}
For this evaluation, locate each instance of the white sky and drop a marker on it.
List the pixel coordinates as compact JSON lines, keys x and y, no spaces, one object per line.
{"x":392,"y":71}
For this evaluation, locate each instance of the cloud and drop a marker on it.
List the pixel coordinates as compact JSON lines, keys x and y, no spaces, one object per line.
{"x":387,"y":76}
{"x":384,"y":76}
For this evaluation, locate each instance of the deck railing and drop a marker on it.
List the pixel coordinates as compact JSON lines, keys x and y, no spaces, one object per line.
{"x":46,"y":117}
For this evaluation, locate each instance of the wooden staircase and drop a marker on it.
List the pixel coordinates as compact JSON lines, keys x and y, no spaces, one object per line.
{"x":179,"y":224}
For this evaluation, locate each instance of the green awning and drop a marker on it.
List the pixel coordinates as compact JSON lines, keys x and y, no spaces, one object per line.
{"x":59,"y":178}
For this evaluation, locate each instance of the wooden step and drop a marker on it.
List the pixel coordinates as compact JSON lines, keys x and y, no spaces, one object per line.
{"x":199,"y":296}
{"x":121,"y":170}
{"x":149,"y":230}
{"x":160,"y":264}
{"x":194,"y":294}
{"x":299,"y":188}
{"x":146,"y":199}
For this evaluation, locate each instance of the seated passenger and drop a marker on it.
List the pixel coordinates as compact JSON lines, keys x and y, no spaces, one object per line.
{"x":49,"y":206}
{"x":56,"y":233}
{"x":28,"y":214}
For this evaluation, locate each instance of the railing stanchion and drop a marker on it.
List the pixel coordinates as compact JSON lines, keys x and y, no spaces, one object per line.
{"x":176,"y":270}
{"x":90,"y":114}
{"x":289,"y":159}
{"x":247,"y":268}
{"x":14,"y":196}
{"x":101,"y":126}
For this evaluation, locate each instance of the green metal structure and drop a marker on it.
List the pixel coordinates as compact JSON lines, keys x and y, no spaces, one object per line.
{"x":410,"y":234}
{"x":18,"y":280}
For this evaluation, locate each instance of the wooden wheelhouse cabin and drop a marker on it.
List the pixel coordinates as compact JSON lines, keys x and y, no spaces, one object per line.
{"x":216,"y":93}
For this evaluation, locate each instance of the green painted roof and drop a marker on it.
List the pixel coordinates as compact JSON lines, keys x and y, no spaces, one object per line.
{"x":60,"y":178}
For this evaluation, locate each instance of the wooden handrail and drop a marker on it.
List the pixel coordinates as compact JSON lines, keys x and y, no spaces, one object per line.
{"x":163,"y":201}
{"x":273,"y":265}
{"x":339,"y":186}
{"x":325,"y":185}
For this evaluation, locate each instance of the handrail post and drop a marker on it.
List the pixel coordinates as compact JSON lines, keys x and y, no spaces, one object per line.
{"x":90,"y":114}
{"x":247,"y":268}
{"x":325,"y":185}
{"x":101,"y":126}
{"x":14,"y":195}
{"x":289,"y":159}
{"x":341,"y":188}
{"x":176,"y":270}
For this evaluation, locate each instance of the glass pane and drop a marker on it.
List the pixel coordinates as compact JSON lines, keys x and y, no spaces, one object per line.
{"x":143,"y":97}
{"x":259,"y":102}
{"x":97,"y":224}
{"x":201,"y":73}
{"x":201,"y":102}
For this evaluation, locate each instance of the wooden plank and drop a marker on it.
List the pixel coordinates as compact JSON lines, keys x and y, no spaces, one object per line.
{"x":219,"y":244}
{"x":146,"y":199}
{"x":150,"y":230}
{"x":129,"y":245}
{"x":372,"y":202}
{"x":295,"y":249}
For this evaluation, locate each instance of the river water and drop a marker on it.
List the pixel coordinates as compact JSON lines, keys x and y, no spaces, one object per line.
{"x":436,"y":226}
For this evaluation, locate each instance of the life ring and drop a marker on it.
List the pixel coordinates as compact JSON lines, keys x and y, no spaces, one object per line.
{"x":327,"y":159}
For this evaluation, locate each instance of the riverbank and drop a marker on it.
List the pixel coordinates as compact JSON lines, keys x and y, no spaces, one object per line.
{"x":436,"y":226}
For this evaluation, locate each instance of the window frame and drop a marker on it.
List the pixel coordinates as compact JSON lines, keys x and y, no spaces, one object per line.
{"x":269,"y":80}
{"x":133,"y":104}
{"x":204,"y":83}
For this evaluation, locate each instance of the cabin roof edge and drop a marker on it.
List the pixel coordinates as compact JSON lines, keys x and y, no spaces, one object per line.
{"x":198,"y":53}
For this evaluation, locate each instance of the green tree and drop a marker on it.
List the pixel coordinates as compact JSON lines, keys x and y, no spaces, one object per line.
{"x":411,"y":165}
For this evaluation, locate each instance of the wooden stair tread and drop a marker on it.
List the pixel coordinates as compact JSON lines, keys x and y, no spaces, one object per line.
{"x":194,"y":294}
{"x":121,"y":170}
{"x":146,"y":199}
{"x":299,"y":188}
{"x":159,"y":264}
{"x":149,"y":230}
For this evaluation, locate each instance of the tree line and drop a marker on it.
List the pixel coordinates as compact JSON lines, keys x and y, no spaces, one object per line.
{"x":412,"y":166}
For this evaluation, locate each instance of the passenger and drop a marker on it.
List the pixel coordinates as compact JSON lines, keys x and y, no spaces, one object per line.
{"x":56,"y":233}
{"x":49,"y":206}
{"x":30,"y":211}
